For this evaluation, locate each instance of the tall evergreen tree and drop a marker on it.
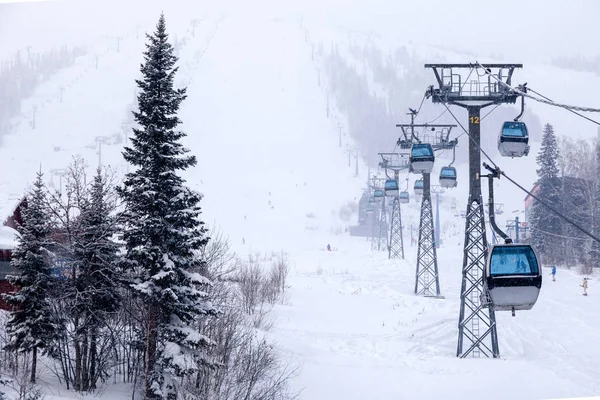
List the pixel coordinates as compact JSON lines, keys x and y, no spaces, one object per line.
{"x":31,"y":326}
{"x":547,"y":158}
{"x":163,"y":232}
{"x":96,"y":284}
{"x":544,"y":223}
{"x":594,"y":253}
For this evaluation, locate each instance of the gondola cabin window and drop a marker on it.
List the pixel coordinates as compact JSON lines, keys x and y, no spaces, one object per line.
{"x":448,"y":173}
{"x":514,"y":129}
{"x":513,"y":260}
{"x":420,"y":152}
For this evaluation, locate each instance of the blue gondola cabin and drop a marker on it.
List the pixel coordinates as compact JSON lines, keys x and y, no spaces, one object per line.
{"x":513,"y":139}
{"x":448,"y":177}
{"x":404,"y":197}
{"x":391,"y":188}
{"x":419,"y":187}
{"x":421,"y":158}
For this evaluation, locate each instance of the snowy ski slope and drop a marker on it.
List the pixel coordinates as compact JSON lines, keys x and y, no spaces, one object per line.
{"x":361,"y":333}
{"x":561,"y":85}
{"x":274,"y":179}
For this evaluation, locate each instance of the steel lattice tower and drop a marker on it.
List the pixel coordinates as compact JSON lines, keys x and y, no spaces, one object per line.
{"x":396,"y":246}
{"x":382,"y":234}
{"x":379,"y":224}
{"x":374,"y":229}
{"x":477,"y":321}
{"x":427,"y":269}
{"x":427,"y":282}
{"x":475,"y":324}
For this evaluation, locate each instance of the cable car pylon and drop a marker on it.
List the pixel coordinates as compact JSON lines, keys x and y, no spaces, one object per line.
{"x":382,"y":236}
{"x":437,"y":189}
{"x":477,"y":323}
{"x":379,"y":217}
{"x":396,"y":244}
{"x":395,"y":162}
{"x":427,"y":281}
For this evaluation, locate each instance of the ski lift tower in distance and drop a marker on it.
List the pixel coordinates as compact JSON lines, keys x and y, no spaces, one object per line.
{"x":379,"y":217}
{"x":421,"y":160}
{"x":395,"y":162}
{"x":477,"y":321}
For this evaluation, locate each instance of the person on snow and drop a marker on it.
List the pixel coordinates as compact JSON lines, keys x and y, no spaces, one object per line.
{"x":584,"y":286}
{"x":328,"y":247}
{"x":553,"y":273}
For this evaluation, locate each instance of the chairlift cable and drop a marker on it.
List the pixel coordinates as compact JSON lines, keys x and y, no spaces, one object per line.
{"x":555,"y":234}
{"x":550,"y":208}
{"x":489,"y":112}
{"x":545,"y":100}
{"x":470,"y":138}
{"x":481,"y":119}
{"x":435,"y":119}
{"x":421,"y":105}
{"x":573,"y":111}
{"x":518,"y":185}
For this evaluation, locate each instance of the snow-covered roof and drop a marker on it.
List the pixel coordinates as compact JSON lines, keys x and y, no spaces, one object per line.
{"x":8,"y":204}
{"x":8,"y":238}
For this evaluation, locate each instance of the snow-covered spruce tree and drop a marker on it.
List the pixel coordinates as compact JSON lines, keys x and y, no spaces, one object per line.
{"x":97,"y":281}
{"x":594,"y":252}
{"x":162,"y":229}
{"x":87,"y":297}
{"x":544,"y":223}
{"x":31,"y":326}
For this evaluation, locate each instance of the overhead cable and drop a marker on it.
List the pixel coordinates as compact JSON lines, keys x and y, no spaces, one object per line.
{"x":546,"y":100}
{"x":521,"y":187}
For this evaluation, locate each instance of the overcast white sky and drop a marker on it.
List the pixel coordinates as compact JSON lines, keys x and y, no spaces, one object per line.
{"x":515,"y":28}
{"x":523,"y":29}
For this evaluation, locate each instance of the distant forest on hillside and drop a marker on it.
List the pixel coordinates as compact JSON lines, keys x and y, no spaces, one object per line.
{"x":374,"y":90}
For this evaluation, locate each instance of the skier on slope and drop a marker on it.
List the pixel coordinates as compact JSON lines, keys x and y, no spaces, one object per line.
{"x":553,"y":273}
{"x":584,"y":286}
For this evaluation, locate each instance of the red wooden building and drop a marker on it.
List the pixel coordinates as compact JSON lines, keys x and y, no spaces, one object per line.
{"x":9,"y":226}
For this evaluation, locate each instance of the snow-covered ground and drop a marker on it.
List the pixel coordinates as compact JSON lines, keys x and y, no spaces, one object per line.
{"x":360,"y":332}
{"x":274,"y":179}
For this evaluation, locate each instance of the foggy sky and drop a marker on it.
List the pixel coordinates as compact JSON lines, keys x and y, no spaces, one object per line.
{"x":516,"y":30}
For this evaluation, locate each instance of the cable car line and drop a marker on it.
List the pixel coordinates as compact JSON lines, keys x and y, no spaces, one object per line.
{"x":457,"y":137}
{"x":470,"y":138}
{"x":421,"y":105}
{"x":519,"y":186}
{"x":545,"y":101}
{"x":574,"y":112}
{"x":435,"y":119}
{"x":556,"y":235}
{"x":488,"y":113}
{"x":551,"y":208}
